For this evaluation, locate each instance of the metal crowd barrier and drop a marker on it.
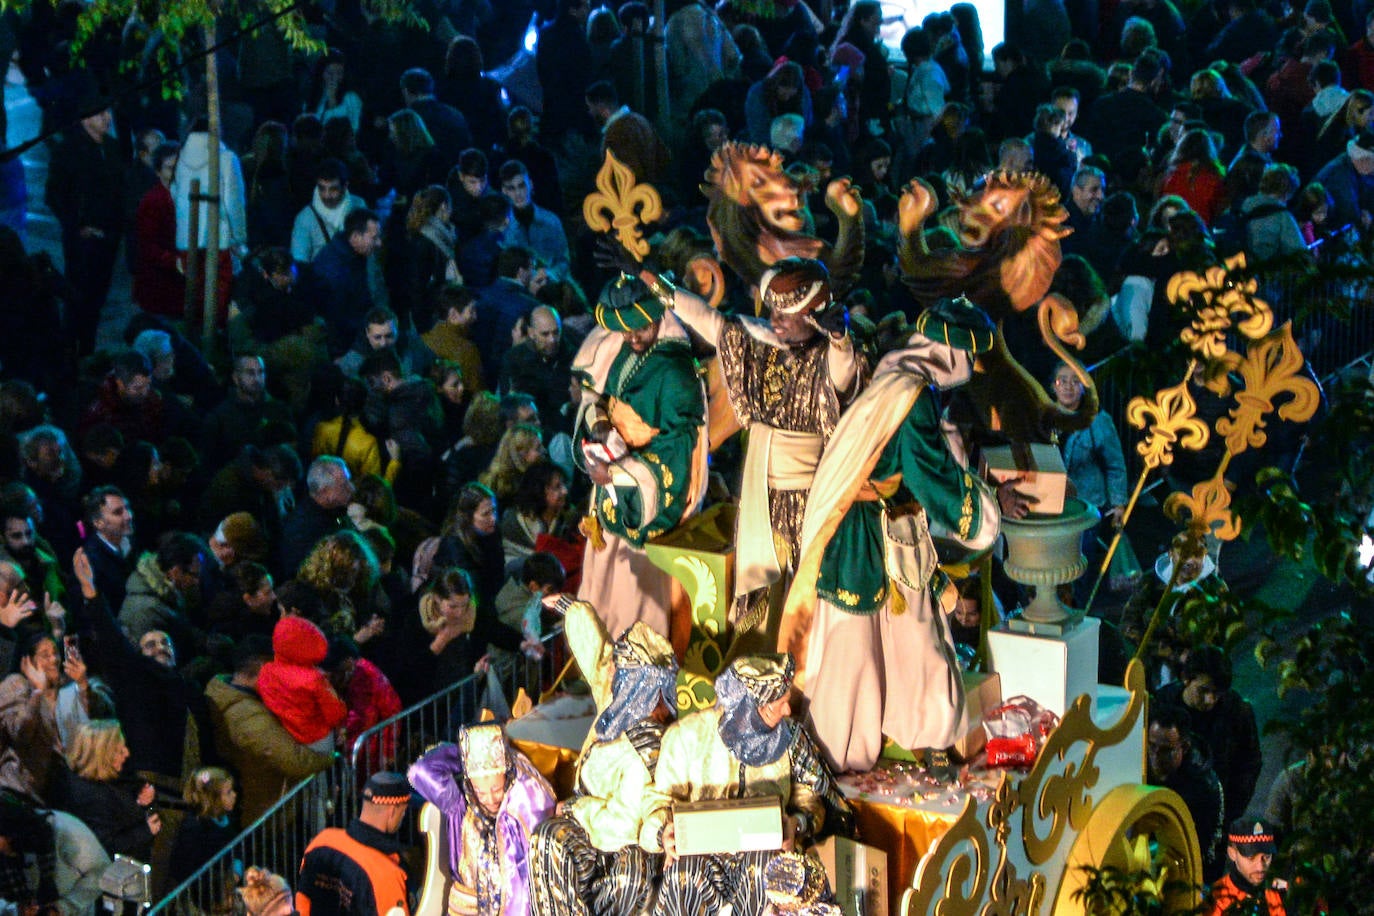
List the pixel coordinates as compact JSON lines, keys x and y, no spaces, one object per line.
{"x":331,"y":798}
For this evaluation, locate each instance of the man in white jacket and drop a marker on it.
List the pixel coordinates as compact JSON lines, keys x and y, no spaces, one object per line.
{"x":194,"y":165}
{"x":318,"y":222}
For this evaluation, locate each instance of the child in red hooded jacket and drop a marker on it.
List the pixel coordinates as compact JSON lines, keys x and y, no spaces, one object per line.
{"x":296,"y":690}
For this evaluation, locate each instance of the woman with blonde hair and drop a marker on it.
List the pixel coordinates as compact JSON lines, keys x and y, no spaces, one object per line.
{"x":265,"y":893}
{"x":343,"y":571}
{"x":122,"y":821}
{"x":520,"y":447}
{"x":210,"y":828}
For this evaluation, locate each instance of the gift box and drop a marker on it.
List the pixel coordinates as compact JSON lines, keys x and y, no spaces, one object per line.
{"x":1041,"y":468}
{"x":982,"y":694}
{"x":726,"y":825}
{"x":858,"y":876}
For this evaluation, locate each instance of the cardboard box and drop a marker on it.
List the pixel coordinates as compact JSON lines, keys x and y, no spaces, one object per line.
{"x":1044,"y":479}
{"x":982,"y":693}
{"x":728,"y":825}
{"x":858,"y":876}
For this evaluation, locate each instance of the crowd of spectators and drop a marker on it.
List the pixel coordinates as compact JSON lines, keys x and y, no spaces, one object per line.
{"x":349,"y":501}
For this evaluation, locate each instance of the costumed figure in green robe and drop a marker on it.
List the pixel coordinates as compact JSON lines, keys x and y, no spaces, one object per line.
{"x":602,"y":852}
{"x":642,"y":431}
{"x":745,"y":746}
{"x":863,"y":613}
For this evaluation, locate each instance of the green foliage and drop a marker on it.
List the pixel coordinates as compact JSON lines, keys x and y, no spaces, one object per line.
{"x":182,"y":24}
{"x":1111,"y":891}
{"x":1328,"y":849}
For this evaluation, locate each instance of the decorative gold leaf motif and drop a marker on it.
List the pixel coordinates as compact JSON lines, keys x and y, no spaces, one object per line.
{"x":956,"y":876}
{"x":1058,"y":792}
{"x":1270,"y":368}
{"x":621,"y":203}
{"x":952,"y":878}
{"x":1173,"y":423}
{"x":1209,"y":506}
{"x":1217,"y":301}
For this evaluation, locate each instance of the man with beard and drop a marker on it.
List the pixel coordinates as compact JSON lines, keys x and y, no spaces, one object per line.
{"x":1250,"y":847}
{"x":240,"y":418}
{"x":744,"y":746}
{"x":492,"y":799}
{"x":540,"y":365}
{"x":126,"y":400}
{"x":643,"y":428}
{"x":600,"y":853}
{"x":162,"y":714}
{"x":322,"y":219}
{"x":788,"y":377}
{"x":21,"y":545}
{"x":531,"y":225}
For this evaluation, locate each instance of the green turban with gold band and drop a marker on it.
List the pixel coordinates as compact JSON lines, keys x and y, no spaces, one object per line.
{"x":958,"y":323}
{"x":627,"y":304}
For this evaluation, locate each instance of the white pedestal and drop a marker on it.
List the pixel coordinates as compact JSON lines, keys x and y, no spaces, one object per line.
{"x":1052,"y":670}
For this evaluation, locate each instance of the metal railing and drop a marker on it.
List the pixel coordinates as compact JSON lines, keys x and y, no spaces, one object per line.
{"x":277,"y":840}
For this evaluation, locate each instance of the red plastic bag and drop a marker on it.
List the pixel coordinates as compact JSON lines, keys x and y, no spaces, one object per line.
{"x":1016,"y":731}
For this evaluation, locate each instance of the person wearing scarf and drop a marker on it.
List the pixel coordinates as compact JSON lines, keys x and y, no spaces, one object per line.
{"x":745,"y":746}
{"x":492,"y":798}
{"x":862,"y":614}
{"x":601,"y":853}
{"x":642,"y":427}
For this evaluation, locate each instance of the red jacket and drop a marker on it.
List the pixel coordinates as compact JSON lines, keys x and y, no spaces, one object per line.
{"x":293,"y":686}
{"x":159,"y":287}
{"x":371,"y":699}
{"x":1203,"y":188}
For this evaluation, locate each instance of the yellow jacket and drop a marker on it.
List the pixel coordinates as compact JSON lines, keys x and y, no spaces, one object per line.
{"x":361,"y":450}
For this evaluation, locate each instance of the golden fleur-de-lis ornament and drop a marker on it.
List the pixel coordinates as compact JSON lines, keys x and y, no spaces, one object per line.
{"x":1271,"y":368}
{"x":1172,"y":410}
{"x":1208,"y":506}
{"x":621,"y":203}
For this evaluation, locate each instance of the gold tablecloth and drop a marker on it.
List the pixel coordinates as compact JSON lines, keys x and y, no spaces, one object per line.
{"x":904,"y":834}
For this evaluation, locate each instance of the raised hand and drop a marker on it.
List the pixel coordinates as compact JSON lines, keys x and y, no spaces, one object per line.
{"x":29,"y":668}
{"x":85,"y":575}
{"x":611,"y":255}
{"x":15,"y":606}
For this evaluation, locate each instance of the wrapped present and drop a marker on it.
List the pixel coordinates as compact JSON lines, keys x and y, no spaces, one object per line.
{"x":1041,"y":468}
{"x":727,"y":825}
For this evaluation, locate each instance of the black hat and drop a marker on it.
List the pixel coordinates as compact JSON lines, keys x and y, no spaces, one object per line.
{"x":1251,"y":836}
{"x":387,"y":788}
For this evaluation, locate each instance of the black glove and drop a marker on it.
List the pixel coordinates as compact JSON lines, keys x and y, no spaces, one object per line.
{"x":833,"y":320}
{"x":611,"y":255}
